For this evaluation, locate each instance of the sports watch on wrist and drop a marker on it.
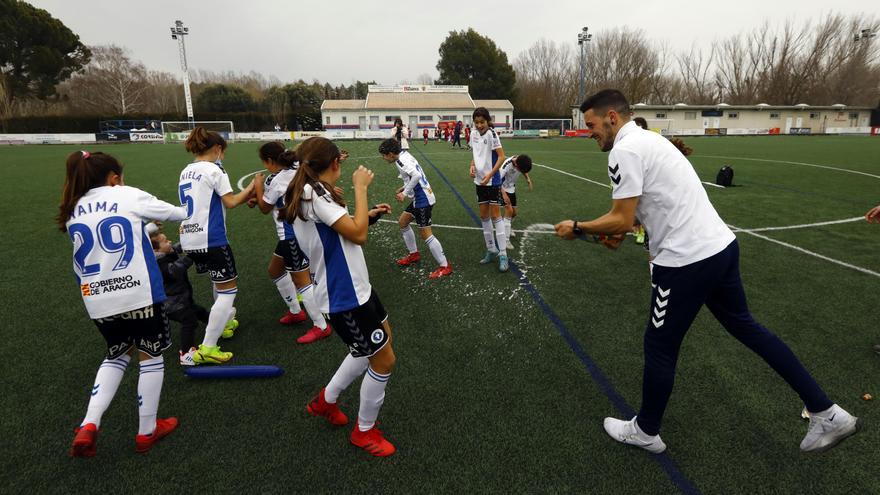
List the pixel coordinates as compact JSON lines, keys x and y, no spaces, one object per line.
{"x":577,"y":230}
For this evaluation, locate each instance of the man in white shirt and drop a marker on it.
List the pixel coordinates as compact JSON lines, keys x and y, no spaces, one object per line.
{"x":695,"y":262}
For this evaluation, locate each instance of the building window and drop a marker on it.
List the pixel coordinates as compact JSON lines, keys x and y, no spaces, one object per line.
{"x":328,"y":120}
{"x":493,"y":118}
{"x":814,"y":115}
{"x":732,"y":115}
{"x":660,"y":115}
{"x":774,"y":115}
{"x":690,"y":116}
{"x":426,"y":118}
{"x":447,"y":117}
{"x":391,"y":118}
{"x":344,"y":120}
{"x":854,"y":115}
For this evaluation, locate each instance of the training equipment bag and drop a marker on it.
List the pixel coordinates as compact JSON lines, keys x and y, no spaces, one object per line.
{"x":725,"y":176}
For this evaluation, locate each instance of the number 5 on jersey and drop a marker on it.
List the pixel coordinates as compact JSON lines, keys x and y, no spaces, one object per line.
{"x":186,"y":199}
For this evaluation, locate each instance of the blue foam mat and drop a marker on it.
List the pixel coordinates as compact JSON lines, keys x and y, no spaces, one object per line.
{"x":234,"y":371}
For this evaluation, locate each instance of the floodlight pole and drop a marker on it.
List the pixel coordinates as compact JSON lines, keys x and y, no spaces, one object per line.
{"x":178,"y":31}
{"x":583,"y":41}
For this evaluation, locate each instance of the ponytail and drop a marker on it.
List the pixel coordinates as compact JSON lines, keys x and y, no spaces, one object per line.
{"x":201,"y":140}
{"x":85,"y":171}
{"x":315,"y":154}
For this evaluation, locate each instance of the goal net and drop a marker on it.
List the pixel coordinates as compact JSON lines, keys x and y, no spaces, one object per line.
{"x":665,"y":127}
{"x":177,"y":132}
{"x":560,"y":125}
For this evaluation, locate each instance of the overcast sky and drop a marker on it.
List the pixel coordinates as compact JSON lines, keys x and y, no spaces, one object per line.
{"x":338,"y":41}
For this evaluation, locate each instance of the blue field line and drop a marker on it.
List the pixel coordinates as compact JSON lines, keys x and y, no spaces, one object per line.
{"x":664,"y":460}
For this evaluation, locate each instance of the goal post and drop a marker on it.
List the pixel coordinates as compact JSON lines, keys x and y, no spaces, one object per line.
{"x":178,"y":131}
{"x":542,"y":124}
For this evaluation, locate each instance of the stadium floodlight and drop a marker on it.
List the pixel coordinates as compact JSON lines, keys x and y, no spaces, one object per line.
{"x":864,"y":34}
{"x":584,"y":38}
{"x":178,"y":31}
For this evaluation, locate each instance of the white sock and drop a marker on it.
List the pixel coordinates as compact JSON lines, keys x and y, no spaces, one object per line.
{"x":308,"y":295}
{"x":220,"y":312}
{"x":487,"y":235}
{"x":106,"y":383}
{"x":436,"y":250}
{"x":372,"y":397}
{"x":500,"y":235}
{"x":409,"y":238}
{"x":149,"y":390}
{"x":350,"y":369}
{"x":507,"y":222}
{"x":285,"y":287}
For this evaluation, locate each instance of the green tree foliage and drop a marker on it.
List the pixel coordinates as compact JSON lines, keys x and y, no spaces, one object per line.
{"x":467,"y":57}
{"x":37,"y":51}
{"x":224,"y":98}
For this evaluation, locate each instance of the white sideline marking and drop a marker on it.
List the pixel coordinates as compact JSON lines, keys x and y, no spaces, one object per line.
{"x":811,"y":253}
{"x":572,"y":175}
{"x":714,"y":185}
{"x":754,"y":232}
{"x":792,"y":163}
{"x":462,"y":227}
{"x":801,"y":226}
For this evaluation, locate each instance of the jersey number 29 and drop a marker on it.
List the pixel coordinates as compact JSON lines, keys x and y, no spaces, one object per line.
{"x":106,"y":230}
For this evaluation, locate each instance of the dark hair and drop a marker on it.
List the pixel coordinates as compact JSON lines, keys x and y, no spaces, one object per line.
{"x":524,"y":163}
{"x":316,"y":154}
{"x":607,"y":99}
{"x":389,"y":146}
{"x":201,"y":140}
{"x":641,"y":122}
{"x":85,"y":171}
{"x":678,"y":143}
{"x":275,"y":152}
{"x":482,"y":112}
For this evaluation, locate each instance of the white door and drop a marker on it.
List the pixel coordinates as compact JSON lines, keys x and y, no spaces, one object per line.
{"x":374,"y":123}
{"x":799,"y":122}
{"x":705,"y":123}
{"x":414,"y":126}
{"x":716,"y":123}
{"x":787,"y":125}
{"x":362,"y":122}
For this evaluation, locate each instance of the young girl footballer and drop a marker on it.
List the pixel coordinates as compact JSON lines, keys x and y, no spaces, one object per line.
{"x":488,"y":157}
{"x":121,"y":287}
{"x":417,"y":188}
{"x":332,"y":240}
{"x":205,"y":190}
{"x":289,"y":267}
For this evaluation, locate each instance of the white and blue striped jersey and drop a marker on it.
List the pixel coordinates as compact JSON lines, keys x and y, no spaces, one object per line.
{"x":415,"y":184}
{"x":273,"y":194}
{"x":341,"y":279}
{"x":113,"y":259}
{"x":509,"y":175}
{"x":484,"y":147}
{"x":201,"y":186}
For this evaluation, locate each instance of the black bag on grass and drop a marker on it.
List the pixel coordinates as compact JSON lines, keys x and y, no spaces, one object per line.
{"x":725,"y":176}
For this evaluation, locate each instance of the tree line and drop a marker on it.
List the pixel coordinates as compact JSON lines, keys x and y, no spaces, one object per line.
{"x":45,"y":70}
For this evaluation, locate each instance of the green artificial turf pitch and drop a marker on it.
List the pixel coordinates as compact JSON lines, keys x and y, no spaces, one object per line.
{"x":487,"y":396}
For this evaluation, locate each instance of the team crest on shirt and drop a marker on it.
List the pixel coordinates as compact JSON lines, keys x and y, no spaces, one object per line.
{"x":377,"y":336}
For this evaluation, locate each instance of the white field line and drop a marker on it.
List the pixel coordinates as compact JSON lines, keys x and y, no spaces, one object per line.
{"x":811,"y":253}
{"x":791,"y":163}
{"x":462,"y":227}
{"x":573,"y":175}
{"x":714,"y":185}
{"x":754,"y":232}
{"x":800,"y":226}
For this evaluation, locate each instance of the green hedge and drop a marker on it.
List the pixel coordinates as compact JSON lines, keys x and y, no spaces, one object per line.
{"x":243,"y":121}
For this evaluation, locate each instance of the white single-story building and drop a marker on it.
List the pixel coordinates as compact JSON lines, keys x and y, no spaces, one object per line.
{"x":724,"y":119}
{"x":419,"y":107}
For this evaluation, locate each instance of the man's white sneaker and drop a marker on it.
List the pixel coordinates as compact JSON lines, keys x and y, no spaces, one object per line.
{"x":628,"y":432}
{"x":828,"y":428}
{"x":186,"y":358}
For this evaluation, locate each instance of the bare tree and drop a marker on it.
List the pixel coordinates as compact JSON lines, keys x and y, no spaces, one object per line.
{"x":110,"y":83}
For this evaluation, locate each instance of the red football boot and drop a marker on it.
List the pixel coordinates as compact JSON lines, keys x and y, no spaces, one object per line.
{"x":85,"y":443}
{"x":443,"y":271}
{"x":409,"y":259}
{"x":314,"y":334}
{"x":293,"y":319}
{"x":320,"y":407}
{"x":372,"y":441}
{"x":164,"y":426}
